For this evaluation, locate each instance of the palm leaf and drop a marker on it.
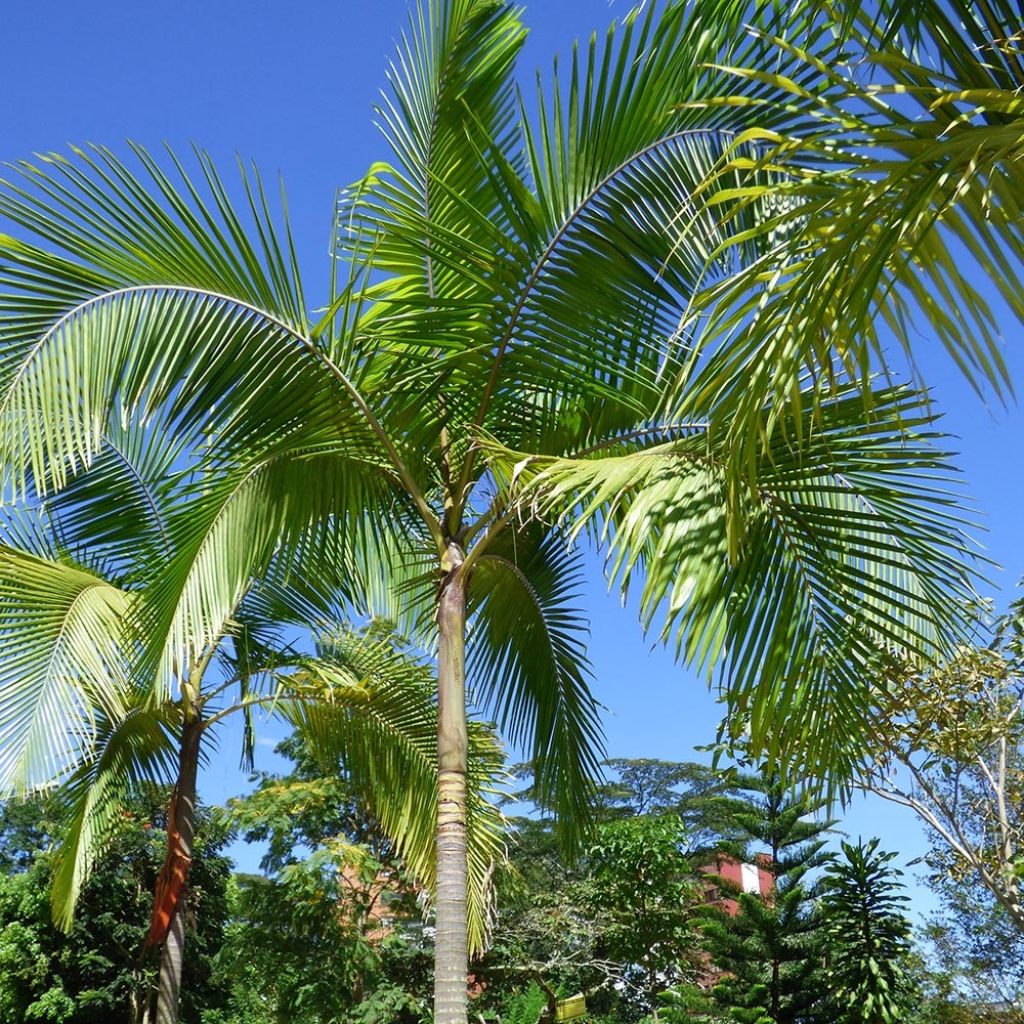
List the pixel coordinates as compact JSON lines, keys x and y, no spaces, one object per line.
{"x":852,"y":540}
{"x":61,"y":629}
{"x":529,"y":666}
{"x":134,"y":748}
{"x":161,"y":308}
{"x":891,"y":197}
{"x":375,"y":711}
{"x":291,"y":507}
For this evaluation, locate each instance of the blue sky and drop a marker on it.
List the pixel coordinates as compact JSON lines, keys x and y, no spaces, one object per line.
{"x":290,"y":86}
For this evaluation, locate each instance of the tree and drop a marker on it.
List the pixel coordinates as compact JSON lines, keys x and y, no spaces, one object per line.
{"x":697,"y":793}
{"x":93,"y":973}
{"x":948,"y":746}
{"x":771,"y":951}
{"x":548,"y":932}
{"x":868,"y":938}
{"x":976,"y":960}
{"x":470,"y":403}
{"x":645,"y":884}
{"x":75,"y":594}
{"x":615,"y":925}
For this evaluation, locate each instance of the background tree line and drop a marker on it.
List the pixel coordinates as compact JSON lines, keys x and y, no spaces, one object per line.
{"x":335,"y":929}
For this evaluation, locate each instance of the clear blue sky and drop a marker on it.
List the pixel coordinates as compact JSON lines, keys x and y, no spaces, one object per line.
{"x":291,"y":85}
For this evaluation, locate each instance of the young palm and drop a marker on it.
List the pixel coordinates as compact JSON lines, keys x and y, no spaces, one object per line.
{"x":75,"y":575}
{"x":493,"y":377}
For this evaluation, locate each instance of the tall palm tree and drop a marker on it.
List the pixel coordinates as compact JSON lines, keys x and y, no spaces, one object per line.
{"x":75,"y":575}
{"x":495,"y":377}
{"x":894,"y":133}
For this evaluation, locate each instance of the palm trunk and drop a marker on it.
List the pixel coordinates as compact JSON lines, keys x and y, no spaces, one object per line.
{"x":170,"y":896}
{"x":451,"y":964}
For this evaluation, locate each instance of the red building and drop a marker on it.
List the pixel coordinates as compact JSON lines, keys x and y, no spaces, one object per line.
{"x":753,"y":878}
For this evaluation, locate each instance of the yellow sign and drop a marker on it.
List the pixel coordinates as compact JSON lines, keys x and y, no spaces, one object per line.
{"x":572,"y":1008}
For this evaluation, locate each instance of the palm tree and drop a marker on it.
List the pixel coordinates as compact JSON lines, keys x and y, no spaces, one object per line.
{"x":73,"y":591}
{"x":494,"y":377}
{"x":894,"y":134}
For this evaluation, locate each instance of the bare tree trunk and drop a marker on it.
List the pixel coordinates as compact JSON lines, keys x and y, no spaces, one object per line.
{"x":169,"y":905}
{"x":451,"y":963}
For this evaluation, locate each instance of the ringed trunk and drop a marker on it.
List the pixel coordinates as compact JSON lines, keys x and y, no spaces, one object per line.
{"x":168,"y":925}
{"x":451,"y":963}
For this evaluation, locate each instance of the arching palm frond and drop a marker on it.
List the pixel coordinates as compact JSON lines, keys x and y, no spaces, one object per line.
{"x":166,"y":311}
{"x":375,"y":710}
{"x":487,"y":312}
{"x":528,"y":664}
{"x":592,"y":322}
{"x":135,"y":748}
{"x":232,"y":531}
{"x":851,"y":540}
{"x":429,"y":223}
{"x":115,"y":513}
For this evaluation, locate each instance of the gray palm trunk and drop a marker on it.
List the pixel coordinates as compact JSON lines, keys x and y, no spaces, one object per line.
{"x":451,"y":964}
{"x":181,"y":820}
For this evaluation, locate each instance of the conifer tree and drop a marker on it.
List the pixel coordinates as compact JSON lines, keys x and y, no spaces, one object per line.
{"x":772,"y":951}
{"x":869,"y":937}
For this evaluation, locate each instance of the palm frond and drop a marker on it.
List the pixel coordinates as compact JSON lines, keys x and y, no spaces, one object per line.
{"x":62,"y":631}
{"x":429,"y":224}
{"x":851,"y":539}
{"x":611,"y":242}
{"x":253,"y":520}
{"x":115,"y":514}
{"x":375,"y":711}
{"x":528,"y":664}
{"x":135,"y":747}
{"x":153,"y":304}
{"x":892,"y":198}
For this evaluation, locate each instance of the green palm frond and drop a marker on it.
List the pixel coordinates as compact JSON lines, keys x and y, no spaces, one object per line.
{"x":486,"y":313}
{"x":61,"y":630}
{"x":231,"y":531}
{"x":429,"y":224}
{"x":136,"y":747}
{"x":115,"y":514}
{"x":126,"y":229}
{"x":375,"y":711}
{"x":154,"y":304}
{"x":853,"y":539}
{"x":529,"y":666}
{"x":891,"y":198}
{"x":621,"y":148}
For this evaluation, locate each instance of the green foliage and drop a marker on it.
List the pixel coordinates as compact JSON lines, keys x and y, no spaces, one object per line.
{"x":615,"y":925}
{"x":957,"y":732}
{"x":336,"y":896}
{"x":894,"y":196}
{"x":301,"y":943}
{"x":694,"y":792}
{"x":465,"y":347}
{"x":977,"y":956}
{"x":468,"y":406}
{"x":525,"y":1007}
{"x":771,"y":952}
{"x":95,"y":973}
{"x":868,"y":938}
{"x":644,"y":883}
